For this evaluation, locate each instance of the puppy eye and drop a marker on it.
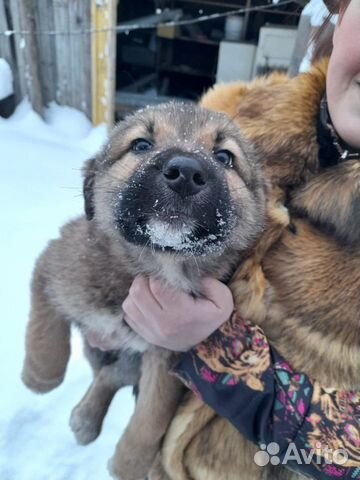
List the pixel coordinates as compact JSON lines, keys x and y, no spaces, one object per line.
{"x":141,"y":145}
{"x":225,"y":157}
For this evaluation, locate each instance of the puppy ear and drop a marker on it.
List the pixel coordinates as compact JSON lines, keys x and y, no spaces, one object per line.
{"x":331,"y":201}
{"x":88,"y":187}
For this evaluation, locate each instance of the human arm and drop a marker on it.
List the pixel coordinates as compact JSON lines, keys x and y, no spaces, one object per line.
{"x":312,"y":430}
{"x":238,"y":374}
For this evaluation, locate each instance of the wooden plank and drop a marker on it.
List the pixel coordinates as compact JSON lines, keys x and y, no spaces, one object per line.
{"x":63,"y":53}
{"x":86,"y":69}
{"x":27,"y":59}
{"x":19,"y":40}
{"x":74,"y":53}
{"x":44,"y":17}
{"x":80,"y":21}
{"x":103,"y":53}
{"x":66,"y":57}
{"x":56,"y":66}
{"x":6,"y":48}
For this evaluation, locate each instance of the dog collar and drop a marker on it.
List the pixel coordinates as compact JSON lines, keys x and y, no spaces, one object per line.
{"x":345,"y":151}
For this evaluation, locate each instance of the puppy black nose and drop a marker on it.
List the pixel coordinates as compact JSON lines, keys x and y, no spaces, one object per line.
{"x":185,"y":175}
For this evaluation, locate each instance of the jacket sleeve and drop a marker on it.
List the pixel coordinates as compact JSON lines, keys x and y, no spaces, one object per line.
{"x":243,"y":379}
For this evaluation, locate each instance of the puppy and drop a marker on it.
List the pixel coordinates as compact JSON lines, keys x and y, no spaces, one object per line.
{"x":177,"y":194}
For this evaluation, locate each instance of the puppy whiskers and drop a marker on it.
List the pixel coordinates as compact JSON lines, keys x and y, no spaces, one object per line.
{"x":143,"y":249}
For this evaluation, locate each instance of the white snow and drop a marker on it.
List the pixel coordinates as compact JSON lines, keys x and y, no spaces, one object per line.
{"x":6,"y":79}
{"x":164,"y":235}
{"x":181,"y":238}
{"x":67,"y":121}
{"x":40,"y":189}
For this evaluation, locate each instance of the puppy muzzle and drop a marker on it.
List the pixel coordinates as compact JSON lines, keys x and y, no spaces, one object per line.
{"x":185,"y":175}
{"x":177,"y":201}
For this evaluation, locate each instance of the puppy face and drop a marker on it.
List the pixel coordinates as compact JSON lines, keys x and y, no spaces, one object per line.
{"x":178,"y":179}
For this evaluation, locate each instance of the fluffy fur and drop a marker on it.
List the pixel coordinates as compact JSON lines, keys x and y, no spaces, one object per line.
{"x":302,"y":289}
{"x":160,"y":202}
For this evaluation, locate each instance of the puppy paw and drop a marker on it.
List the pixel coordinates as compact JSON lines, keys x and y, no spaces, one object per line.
{"x":85,"y":426}
{"x":37,"y":383}
{"x":157,"y":471}
{"x":112,"y":470}
{"x":119,"y":472}
{"x":114,"y":473}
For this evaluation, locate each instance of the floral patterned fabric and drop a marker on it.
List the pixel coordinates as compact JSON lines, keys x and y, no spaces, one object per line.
{"x":243,"y":379}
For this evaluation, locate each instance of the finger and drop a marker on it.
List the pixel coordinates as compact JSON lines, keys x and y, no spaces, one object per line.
{"x":217,"y":293}
{"x":138,"y":327}
{"x":132,"y":314}
{"x":166,"y":295}
{"x":142,"y":295}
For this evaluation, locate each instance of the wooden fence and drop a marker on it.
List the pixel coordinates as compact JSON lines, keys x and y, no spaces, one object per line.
{"x":63,"y":51}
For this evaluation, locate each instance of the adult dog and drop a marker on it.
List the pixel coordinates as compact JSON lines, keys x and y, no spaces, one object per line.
{"x":305,"y":295}
{"x":177,"y":194}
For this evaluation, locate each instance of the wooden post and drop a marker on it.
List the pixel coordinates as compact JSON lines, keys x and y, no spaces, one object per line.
{"x":63,"y":53}
{"x":6,"y":49}
{"x":44,"y":18}
{"x":26,"y":48}
{"x":103,"y":53}
{"x":71,"y":52}
{"x":80,"y":19}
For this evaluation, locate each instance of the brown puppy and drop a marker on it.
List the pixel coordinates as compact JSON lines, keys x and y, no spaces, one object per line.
{"x":177,"y":194}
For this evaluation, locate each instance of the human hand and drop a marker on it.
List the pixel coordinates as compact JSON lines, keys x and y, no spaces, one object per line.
{"x":169,"y":318}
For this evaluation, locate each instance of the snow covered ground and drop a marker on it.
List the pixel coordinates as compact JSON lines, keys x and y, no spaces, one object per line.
{"x":40,"y":189}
